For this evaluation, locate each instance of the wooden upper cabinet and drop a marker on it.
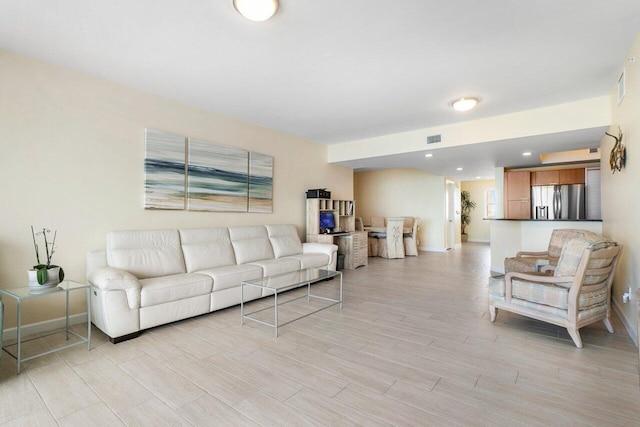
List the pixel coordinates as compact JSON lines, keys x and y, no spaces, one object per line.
{"x":572,"y":176}
{"x":518,"y":194}
{"x":545,"y":177}
{"x":518,"y":185}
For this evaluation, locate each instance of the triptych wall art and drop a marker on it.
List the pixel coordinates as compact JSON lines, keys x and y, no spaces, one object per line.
{"x":186,"y":173}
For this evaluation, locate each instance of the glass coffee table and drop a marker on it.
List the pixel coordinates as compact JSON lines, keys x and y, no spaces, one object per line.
{"x":284,"y":282}
{"x":26,"y":293}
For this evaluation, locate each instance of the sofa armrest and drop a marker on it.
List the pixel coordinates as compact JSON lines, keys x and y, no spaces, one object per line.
{"x":115,"y":279}
{"x":322,"y":248}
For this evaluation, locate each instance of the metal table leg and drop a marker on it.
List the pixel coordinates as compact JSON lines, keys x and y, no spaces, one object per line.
{"x":19,"y":324}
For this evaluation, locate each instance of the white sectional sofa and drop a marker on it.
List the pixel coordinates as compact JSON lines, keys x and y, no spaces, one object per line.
{"x":147,"y":278}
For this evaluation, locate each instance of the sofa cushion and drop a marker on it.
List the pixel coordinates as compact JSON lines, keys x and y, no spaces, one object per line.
{"x":159,"y":290}
{"x":313,"y":260}
{"x":250,"y":244}
{"x":206,"y":248}
{"x":284,"y":239}
{"x":271,"y":267}
{"x":146,"y":253}
{"x":231,"y":275}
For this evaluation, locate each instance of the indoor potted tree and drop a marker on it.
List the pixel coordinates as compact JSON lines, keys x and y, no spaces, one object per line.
{"x":45,"y":274}
{"x":466,"y":206}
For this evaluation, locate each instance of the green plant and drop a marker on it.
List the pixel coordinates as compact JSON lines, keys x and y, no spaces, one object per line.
{"x":50,"y":249}
{"x":466,"y":206}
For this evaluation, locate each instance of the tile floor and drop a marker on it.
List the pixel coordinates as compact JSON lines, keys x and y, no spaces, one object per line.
{"x":413,"y":345}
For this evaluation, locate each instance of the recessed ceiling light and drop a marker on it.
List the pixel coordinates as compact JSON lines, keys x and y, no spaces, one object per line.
{"x":526,"y":153}
{"x":464,"y":104}
{"x":256,"y":10}
{"x":428,"y":155}
{"x":459,"y":169}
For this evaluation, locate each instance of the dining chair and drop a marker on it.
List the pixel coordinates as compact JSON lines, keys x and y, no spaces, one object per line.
{"x":411,"y":239}
{"x":392,"y":245}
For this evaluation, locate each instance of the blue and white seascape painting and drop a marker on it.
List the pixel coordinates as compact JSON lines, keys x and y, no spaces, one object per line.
{"x":164,"y":170}
{"x":260,"y":183}
{"x":217,"y":177}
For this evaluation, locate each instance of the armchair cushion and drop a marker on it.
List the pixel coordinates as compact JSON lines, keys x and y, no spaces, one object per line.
{"x":546,"y":294}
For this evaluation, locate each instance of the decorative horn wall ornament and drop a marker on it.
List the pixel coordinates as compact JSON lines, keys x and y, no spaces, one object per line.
{"x":618,"y":156}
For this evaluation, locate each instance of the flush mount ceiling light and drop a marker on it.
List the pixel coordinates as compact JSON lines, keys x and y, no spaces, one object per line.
{"x":526,"y":153}
{"x":464,"y":104}
{"x":428,"y":155}
{"x":458,"y":169}
{"x":256,"y":10}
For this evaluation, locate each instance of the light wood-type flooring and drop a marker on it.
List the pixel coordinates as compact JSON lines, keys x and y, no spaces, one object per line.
{"x":413,"y":345}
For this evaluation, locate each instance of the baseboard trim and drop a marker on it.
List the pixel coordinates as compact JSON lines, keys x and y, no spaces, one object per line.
{"x":428,"y":249}
{"x":47,"y":325}
{"x":629,"y":326}
{"x":478,"y":241}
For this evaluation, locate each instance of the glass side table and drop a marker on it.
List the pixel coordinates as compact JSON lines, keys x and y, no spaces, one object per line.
{"x":25,"y":293}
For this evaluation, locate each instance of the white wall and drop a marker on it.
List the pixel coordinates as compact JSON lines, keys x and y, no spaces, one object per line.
{"x":479,"y":229}
{"x":404,"y":192}
{"x":620,"y":195}
{"x":72,"y":152}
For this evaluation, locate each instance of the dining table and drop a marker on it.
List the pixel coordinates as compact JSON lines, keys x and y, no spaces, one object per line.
{"x":383,"y":230}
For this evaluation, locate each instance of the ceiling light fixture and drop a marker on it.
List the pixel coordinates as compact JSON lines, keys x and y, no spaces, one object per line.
{"x":477,"y":177}
{"x":526,"y":153}
{"x":428,"y":155}
{"x":464,"y":104}
{"x":459,"y":169}
{"x":256,"y":10}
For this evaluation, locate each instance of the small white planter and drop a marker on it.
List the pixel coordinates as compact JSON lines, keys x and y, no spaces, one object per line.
{"x":53,"y":278}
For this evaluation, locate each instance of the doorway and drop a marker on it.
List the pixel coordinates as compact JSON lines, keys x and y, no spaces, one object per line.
{"x":450,"y":215}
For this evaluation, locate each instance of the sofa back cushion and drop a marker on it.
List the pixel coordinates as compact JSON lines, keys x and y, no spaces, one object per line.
{"x":284,"y":240}
{"x":205,"y":248}
{"x":250,"y":244}
{"x":146,"y":253}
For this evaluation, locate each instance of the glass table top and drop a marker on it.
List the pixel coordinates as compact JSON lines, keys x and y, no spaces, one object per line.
{"x":292,"y":279}
{"x":31,"y":292}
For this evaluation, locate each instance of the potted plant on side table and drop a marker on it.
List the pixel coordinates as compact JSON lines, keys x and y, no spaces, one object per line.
{"x":466,"y":206}
{"x":45,"y":275}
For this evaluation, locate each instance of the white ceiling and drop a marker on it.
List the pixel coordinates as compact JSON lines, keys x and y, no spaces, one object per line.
{"x":335,"y":70}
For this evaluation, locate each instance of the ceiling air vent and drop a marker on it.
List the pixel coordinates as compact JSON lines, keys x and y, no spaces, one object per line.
{"x":432,"y":139}
{"x":593,"y":150}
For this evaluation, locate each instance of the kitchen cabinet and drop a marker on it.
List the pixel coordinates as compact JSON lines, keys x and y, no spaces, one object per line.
{"x":545,"y":177}
{"x":571,"y":176}
{"x":518,"y":194}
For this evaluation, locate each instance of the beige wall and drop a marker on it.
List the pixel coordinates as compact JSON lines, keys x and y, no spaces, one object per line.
{"x":478,"y":230}
{"x":404,"y":192}
{"x":620,"y":196}
{"x":72,"y":150}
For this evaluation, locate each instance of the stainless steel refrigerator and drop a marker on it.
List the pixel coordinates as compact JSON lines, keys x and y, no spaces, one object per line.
{"x":558,"y":202}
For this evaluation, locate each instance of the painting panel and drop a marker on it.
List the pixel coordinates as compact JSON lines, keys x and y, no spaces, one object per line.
{"x":217,"y":177}
{"x":164,"y":170}
{"x":260,"y":183}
